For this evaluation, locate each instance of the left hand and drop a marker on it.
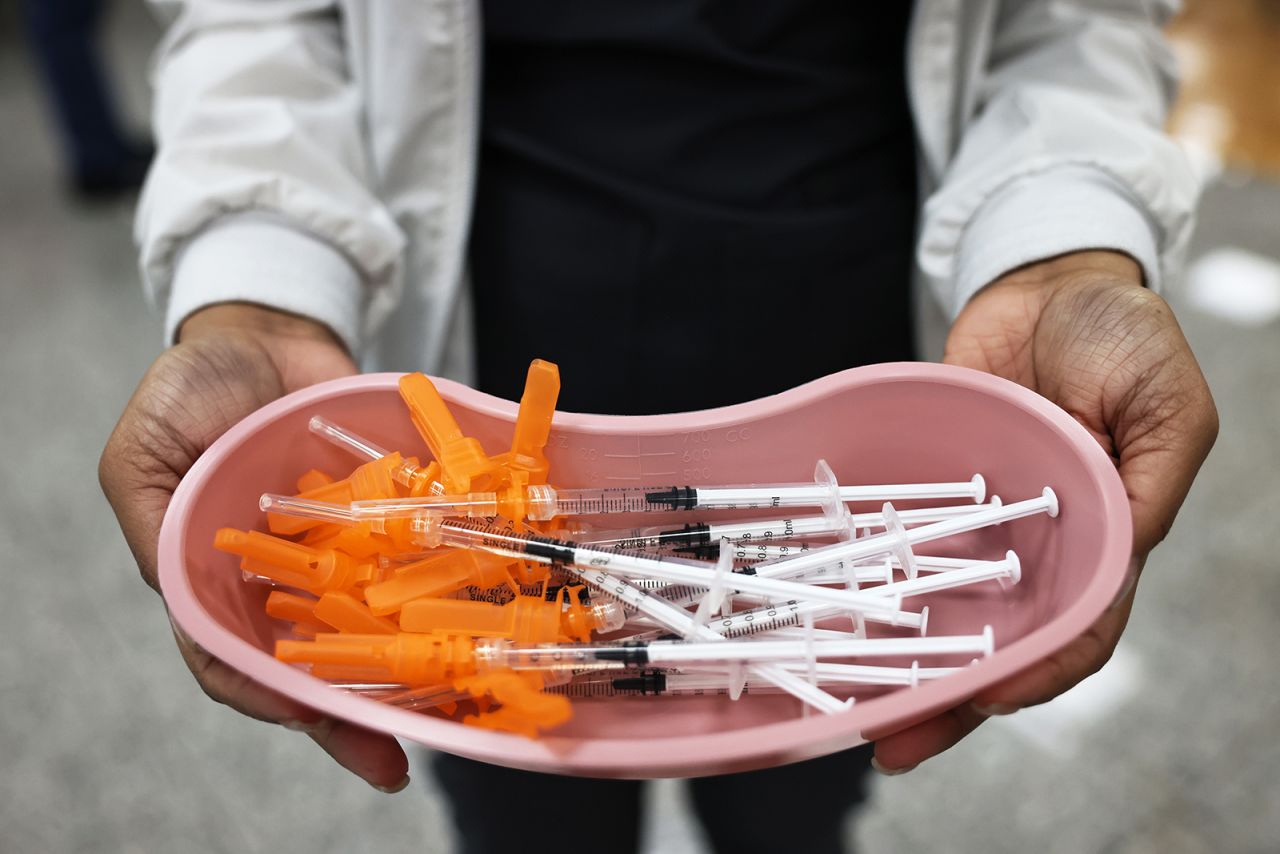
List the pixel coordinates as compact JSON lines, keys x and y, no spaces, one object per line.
{"x":232,"y":359}
{"x":1082,"y":331}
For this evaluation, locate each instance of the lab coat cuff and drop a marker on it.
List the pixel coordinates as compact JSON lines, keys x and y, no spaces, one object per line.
{"x":1040,"y":216}
{"x":258,"y":259}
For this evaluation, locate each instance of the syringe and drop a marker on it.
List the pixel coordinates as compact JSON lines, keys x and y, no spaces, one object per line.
{"x":753,"y":533}
{"x":839,"y":562}
{"x":685,"y":624}
{"x":500,"y":653}
{"x":661,"y":499}
{"x":669,"y":683}
{"x":879,"y":574}
{"x":778,"y":615}
{"x":548,"y":502}
{"x":900,"y":540}
{"x":430,"y":659}
{"x":543,"y":502}
{"x":1007,"y":571}
{"x":418,"y":479}
{"x":433,"y":532}
{"x":755,"y":553}
{"x":692,"y":680}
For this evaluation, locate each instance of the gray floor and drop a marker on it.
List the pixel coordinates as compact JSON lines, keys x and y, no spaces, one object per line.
{"x":106,"y":744}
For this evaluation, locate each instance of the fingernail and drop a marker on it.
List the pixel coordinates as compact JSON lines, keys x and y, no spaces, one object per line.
{"x":888,"y":772}
{"x":391,"y":790}
{"x":995,"y":709}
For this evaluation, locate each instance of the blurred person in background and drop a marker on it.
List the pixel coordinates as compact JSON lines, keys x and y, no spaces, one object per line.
{"x":103,"y":159}
{"x":633,"y":190}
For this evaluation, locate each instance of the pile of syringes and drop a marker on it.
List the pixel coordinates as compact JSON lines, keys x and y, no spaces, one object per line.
{"x":468,"y":586}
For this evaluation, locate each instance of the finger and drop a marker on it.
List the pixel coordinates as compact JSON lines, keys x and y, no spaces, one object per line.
{"x":905,"y":749}
{"x":375,"y":758}
{"x":1163,"y":437}
{"x":234,"y":689}
{"x":1063,"y":670}
{"x":901,"y":751}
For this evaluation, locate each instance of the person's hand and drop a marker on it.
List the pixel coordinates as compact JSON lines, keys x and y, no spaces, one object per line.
{"x":231,"y":359}
{"x":1083,"y":332}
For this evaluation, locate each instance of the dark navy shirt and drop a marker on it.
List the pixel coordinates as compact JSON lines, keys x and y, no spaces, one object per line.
{"x":687,"y":204}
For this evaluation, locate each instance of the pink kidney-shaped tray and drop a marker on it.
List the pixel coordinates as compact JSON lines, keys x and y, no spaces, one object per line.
{"x":888,"y":423}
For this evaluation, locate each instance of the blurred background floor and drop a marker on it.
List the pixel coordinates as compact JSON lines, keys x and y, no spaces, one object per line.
{"x":106,"y":743}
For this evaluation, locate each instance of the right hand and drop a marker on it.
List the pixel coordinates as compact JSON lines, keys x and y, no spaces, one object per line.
{"x":231,"y":359}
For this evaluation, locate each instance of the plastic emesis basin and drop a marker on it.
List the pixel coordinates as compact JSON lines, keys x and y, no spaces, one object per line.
{"x":890,"y":423}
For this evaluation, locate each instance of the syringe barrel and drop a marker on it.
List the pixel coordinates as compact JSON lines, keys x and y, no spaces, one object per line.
{"x":652,"y":538}
{"x":559,"y":656}
{"x":546,"y":502}
{"x":472,"y":505}
{"x":433,"y":531}
{"x":771,"y":530}
{"x":974,"y":489}
{"x":778,"y":614}
{"x":793,"y":650}
{"x":829,"y":673}
{"x":755,"y":496}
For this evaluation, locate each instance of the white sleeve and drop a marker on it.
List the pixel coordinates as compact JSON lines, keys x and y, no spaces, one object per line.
{"x":1063,"y":150}
{"x":261,"y":186}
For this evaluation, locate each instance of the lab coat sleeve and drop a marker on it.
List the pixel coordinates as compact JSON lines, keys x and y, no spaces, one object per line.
{"x":261,"y":188}
{"x":1062,"y":149}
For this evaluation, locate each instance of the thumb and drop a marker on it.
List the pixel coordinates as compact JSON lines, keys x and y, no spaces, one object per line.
{"x":190,"y":396}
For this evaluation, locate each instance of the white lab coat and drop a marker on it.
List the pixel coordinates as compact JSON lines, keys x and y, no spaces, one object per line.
{"x":319,"y":156}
